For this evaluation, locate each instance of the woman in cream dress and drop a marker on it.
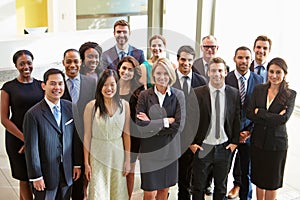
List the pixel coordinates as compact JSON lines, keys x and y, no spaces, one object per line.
{"x":107,"y":141}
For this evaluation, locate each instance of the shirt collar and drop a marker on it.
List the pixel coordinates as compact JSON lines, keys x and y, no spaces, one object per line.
{"x":180,"y":75}
{"x":238,"y":75}
{"x":167,"y":92}
{"x":213,"y":89}
{"x":126,"y":50}
{"x":75,"y":78}
{"x":51,"y":105}
{"x":264,"y":64}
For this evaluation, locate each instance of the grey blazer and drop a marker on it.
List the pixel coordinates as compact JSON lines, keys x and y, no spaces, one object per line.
{"x":43,"y":149}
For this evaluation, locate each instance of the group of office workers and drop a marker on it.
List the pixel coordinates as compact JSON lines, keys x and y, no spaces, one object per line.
{"x":78,"y":133}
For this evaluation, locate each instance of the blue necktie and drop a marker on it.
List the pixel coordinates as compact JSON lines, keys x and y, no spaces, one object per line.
{"x":73,"y":90}
{"x":122,"y":54}
{"x":56,"y":114}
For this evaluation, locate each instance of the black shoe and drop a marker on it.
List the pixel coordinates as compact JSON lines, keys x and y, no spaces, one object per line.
{"x":208,"y":191}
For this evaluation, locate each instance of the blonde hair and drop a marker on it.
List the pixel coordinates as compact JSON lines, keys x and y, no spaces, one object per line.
{"x":167,"y":65}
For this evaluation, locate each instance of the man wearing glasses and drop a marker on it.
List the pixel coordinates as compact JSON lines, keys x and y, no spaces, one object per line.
{"x":209,"y":48}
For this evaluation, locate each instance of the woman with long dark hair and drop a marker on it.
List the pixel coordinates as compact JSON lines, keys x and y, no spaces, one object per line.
{"x":270,"y":108}
{"x":107,"y":141}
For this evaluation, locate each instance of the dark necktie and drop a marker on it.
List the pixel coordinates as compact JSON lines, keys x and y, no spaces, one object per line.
{"x":242,"y":89}
{"x":217,"y":106}
{"x":259,"y":68}
{"x":56,"y":114}
{"x":185,"y":85}
{"x":122,"y":54}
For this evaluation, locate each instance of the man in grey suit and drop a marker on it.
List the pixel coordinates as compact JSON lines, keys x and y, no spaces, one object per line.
{"x":218,"y":131}
{"x":112,"y":56}
{"x":80,"y":90}
{"x":186,"y":80}
{"x":245,"y":81}
{"x":50,"y":137}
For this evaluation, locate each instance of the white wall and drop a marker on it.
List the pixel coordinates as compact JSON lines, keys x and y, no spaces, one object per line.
{"x":7,"y":18}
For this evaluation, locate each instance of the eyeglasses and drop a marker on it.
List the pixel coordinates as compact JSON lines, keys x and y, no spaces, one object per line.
{"x":206,"y":47}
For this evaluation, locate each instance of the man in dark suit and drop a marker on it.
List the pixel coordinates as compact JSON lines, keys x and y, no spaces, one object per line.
{"x":262,"y":48}
{"x":80,"y":90}
{"x":218,"y":131}
{"x":50,"y":136}
{"x":245,"y":81}
{"x":186,"y":80}
{"x":112,"y":56}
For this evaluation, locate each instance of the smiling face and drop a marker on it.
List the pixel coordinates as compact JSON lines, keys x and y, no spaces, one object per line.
{"x":126,"y":71}
{"x":157,"y":47}
{"x":217,"y":73}
{"x":72,"y":63}
{"x":109,"y":88}
{"x":24,"y":65}
{"x":54,"y":87}
{"x":261,"y":51}
{"x":209,"y":48}
{"x":275,"y":74}
{"x":161,"y":77}
{"x":91,"y":59}
{"x":242,"y":61}
{"x":121,"y":34}
{"x":185,"y":62}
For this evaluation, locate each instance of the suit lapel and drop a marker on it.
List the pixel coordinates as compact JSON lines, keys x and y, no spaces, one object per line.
{"x":48,"y":115}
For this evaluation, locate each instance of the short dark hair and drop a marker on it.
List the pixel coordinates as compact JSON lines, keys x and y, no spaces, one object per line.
{"x":263,"y":38}
{"x":187,"y":49}
{"x":20,"y":53}
{"x":52,"y":71}
{"x":121,"y":22}
{"x":217,"y":60}
{"x":68,"y":50}
{"x":242,"y":48}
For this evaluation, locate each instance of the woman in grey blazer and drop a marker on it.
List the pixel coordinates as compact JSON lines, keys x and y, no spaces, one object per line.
{"x":270,"y":108}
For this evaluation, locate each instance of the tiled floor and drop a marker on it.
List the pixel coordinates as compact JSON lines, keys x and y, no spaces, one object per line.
{"x":291,"y":190}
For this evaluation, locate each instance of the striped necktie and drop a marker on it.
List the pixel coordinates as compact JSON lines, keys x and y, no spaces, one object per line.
{"x":242,"y":89}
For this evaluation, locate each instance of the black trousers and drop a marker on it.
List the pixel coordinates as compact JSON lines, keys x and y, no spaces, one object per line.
{"x":185,"y":175}
{"x":217,"y":158}
{"x":77,"y":188}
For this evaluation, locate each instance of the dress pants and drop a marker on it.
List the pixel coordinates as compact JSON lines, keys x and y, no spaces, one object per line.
{"x":185,"y":175}
{"x":241,"y":171}
{"x":219,"y":159}
{"x":61,"y":192}
{"x":77,"y":188}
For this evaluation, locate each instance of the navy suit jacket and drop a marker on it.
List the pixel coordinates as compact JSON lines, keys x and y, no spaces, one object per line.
{"x":159,"y":143}
{"x":110,"y":58}
{"x":254,"y":79}
{"x":269,"y":130}
{"x":232,"y":114}
{"x":87,"y":92}
{"x":43,"y":149}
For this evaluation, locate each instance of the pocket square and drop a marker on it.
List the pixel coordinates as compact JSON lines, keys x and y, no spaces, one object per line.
{"x":69,"y":122}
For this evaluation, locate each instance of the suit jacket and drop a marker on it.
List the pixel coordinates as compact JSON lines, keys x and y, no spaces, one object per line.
{"x":232,"y":114}
{"x":269,"y":130}
{"x":192,"y":110}
{"x":110,"y":58}
{"x":43,"y":149}
{"x":161,"y":144}
{"x":87,"y":92}
{"x":199,"y":67}
{"x":254,"y":79}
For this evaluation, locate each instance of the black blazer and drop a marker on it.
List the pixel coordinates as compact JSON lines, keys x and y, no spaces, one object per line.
{"x":161,"y":144}
{"x":269,"y":131}
{"x":43,"y":149}
{"x":192,"y":110}
{"x":232,"y":114}
{"x":110,"y":58}
{"x":254,"y":79}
